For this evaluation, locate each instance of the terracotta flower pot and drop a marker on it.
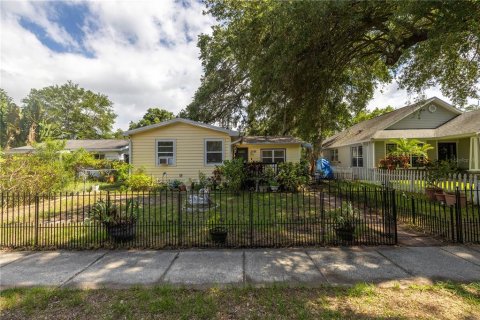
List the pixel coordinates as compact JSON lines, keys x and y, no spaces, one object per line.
{"x":451,"y":200}
{"x":440,"y":196}
{"x":430,"y":192}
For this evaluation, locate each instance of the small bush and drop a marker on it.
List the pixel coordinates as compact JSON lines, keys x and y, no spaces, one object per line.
{"x":291,"y":176}
{"x":139,"y":181}
{"x":233,"y":171}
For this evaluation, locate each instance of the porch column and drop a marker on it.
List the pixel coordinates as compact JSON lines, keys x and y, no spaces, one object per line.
{"x":474,"y":154}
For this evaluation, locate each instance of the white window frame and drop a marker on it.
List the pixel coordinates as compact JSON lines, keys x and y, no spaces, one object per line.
{"x":357,"y":157}
{"x":174,"y":158}
{"x":334,"y":155}
{"x":205,"y":151}
{"x":273,"y":154}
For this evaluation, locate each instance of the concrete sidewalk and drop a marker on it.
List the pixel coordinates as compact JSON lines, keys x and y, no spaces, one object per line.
{"x":203,"y":268}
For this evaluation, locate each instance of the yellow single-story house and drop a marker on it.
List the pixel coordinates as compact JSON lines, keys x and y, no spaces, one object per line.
{"x":181,"y":148}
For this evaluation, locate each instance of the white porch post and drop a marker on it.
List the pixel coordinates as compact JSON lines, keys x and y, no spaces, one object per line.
{"x":474,"y":163}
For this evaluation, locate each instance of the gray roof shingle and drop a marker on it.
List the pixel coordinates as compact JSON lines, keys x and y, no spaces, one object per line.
{"x":89,"y":145}
{"x":270,"y":140}
{"x":374,"y":128}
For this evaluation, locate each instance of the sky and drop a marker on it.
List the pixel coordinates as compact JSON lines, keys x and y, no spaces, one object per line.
{"x":141,"y":54}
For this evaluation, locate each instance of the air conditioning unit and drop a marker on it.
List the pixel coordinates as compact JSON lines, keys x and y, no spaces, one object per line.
{"x":165,"y":161}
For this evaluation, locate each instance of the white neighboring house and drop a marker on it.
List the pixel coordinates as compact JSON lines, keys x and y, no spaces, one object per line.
{"x":110,"y":149}
{"x":453,"y":134}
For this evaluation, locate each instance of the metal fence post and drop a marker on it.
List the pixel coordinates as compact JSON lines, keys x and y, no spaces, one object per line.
{"x":394,"y":212}
{"x":414,"y":214}
{"x":250,"y":215}
{"x":37,"y":209}
{"x":458,"y":213}
{"x":179,"y":226}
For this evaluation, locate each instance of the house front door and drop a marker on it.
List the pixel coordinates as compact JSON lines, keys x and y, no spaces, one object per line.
{"x":447,"y":151}
{"x":242,"y":153}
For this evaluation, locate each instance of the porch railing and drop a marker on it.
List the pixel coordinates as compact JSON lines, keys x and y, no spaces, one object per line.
{"x":407,"y":180}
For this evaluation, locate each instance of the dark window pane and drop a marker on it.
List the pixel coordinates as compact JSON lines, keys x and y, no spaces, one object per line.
{"x":214,"y":145}
{"x":360,"y":151}
{"x":165,"y":149}
{"x":165,"y":144}
{"x":165,"y":154}
{"x":360,"y":162}
{"x":214,"y":157}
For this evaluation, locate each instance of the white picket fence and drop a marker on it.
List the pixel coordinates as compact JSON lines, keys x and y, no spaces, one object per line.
{"x":410,"y":180}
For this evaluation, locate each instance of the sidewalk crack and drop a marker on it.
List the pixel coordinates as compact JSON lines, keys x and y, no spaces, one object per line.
{"x":83,"y":269}
{"x":396,"y":264}
{"x":457,"y":256}
{"x":162,"y":277}
{"x":317,"y":267}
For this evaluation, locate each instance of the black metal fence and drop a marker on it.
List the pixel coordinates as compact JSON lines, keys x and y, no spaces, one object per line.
{"x":172,"y":219}
{"x":456,"y":219}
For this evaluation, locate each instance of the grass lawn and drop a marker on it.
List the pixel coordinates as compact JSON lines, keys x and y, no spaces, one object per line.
{"x":363,"y":301}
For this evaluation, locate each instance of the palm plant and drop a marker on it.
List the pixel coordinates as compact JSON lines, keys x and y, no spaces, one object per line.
{"x":410,"y":147}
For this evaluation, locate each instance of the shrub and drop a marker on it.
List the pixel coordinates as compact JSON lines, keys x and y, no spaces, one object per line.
{"x":291,"y":176}
{"x":122,"y":170}
{"x":139,"y":181}
{"x":233,"y":171}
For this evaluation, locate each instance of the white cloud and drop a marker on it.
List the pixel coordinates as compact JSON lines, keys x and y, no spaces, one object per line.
{"x":129,"y":62}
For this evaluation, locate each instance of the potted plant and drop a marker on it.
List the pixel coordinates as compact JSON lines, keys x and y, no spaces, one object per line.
{"x":175,"y":185}
{"x":345,"y":219}
{"x":218,"y":232}
{"x":274,"y":185}
{"x":434,"y":174}
{"x":120,"y":225}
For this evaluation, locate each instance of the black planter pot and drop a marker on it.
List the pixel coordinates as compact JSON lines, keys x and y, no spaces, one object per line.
{"x":120,"y":232}
{"x":218,"y":234}
{"x":345,"y":233}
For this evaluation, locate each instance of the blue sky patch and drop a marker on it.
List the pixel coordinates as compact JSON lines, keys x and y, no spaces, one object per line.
{"x":72,"y":18}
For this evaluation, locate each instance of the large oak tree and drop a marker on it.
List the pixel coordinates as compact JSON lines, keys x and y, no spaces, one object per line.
{"x":307,"y":67}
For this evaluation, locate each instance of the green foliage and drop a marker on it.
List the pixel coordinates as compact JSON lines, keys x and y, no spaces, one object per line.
{"x":122,"y":170}
{"x":410,"y":147}
{"x":153,"y":115}
{"x":10,"y":116}
{"x":39,"y":172}
{"x":346,"y":216}
{"x":65,"y":112}
{"x":437,"y":171}
{"x":291,"y":176}
{"x":305,"y":68}
{"x":111,"y":214}
{"x":48,"y":169}
{"x":139,"y":181}
{"x":234,"y":173}
{"x":175,"y":184}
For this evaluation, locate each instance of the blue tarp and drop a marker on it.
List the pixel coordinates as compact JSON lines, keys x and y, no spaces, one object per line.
{"x":324,"y":169}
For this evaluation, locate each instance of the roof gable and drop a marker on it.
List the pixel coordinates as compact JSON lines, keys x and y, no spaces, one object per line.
{"x":366,"y":130}
{"x":430,"y":115}
{"x":180,"y":120}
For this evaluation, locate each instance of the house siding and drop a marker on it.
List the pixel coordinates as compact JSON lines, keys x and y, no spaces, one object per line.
{"x":293,"y":152}
{"x":427,"y":119}
{"x":190,"y":151}
{"x":379,"y":152}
